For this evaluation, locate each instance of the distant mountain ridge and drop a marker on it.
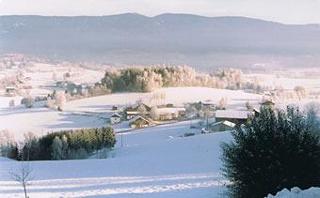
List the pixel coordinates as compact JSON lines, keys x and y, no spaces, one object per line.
{"x":167,"y":38}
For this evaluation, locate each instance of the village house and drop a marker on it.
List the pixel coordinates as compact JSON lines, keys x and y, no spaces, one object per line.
{"x":140,"y":109}
{"x":264,"y":104}
{"x":199,"y":109}
{"x":170,"y":113}
{"x":208,"y":104}
{"x":115,"y":118}
{"x":234,"y":116}
{"x":140,"y":122}
{"x":219,"y":127}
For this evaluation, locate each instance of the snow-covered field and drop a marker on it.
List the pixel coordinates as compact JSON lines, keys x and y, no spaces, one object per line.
{"x":288,"y":79}
{"x":92,"y":112}
{"x":151,"y":162}
{"x":41,"y":77}
{"x":154,"y":162}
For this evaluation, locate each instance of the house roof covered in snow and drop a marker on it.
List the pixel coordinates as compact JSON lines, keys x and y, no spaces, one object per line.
{"x":268,"y":102}
{"x":135,"y":109}
{"x":169,"y":110}
{"x":140,"y":118}
{"x":10,"y":88}
{"x":208,"y":102}
{"x":226,"y":122}
{"x":116,"y":115}
{"x":233,"y":114}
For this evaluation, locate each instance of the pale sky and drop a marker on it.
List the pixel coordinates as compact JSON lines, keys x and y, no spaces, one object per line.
{"x":286,"y":11}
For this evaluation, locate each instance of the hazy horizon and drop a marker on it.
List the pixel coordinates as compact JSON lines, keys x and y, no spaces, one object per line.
{"x":283,"y":11}
{"x":165,"y":13}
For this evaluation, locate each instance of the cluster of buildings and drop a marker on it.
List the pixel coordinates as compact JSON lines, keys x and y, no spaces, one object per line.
{"x":142,"y":115}
{"x":226,"y":120}
{"x":73,"y":88}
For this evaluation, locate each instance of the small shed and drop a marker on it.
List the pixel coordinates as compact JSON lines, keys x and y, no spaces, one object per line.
{"x":115,"y":118}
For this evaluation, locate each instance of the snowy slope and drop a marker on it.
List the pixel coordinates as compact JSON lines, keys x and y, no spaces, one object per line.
{"x":152,"y":162}
{"x":91,"y":112}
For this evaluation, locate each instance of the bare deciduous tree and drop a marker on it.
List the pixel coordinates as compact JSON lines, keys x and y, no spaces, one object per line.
{"x":300,"y":92}
{"x":23,"y":175}
{"x":154,"y":114}
{"x":222,"y":103}
{"x":60,"y":100}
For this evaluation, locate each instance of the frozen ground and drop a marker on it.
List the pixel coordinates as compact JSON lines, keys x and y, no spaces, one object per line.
{"x":152,"y":162}
{"x":42,"y":77}
{"x":92,"y":112}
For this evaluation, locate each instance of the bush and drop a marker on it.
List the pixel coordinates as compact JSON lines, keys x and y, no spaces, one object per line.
{"x":28,"y":102}
{"x":278,"y":149}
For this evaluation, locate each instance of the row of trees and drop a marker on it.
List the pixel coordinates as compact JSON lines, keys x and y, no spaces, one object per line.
{"x":146,"y":79}
{"x":72,"y":144}
{"x":276,"y":150}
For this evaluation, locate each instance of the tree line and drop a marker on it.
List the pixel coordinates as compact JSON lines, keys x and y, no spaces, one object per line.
{"x":146,"y":79}
{"x":277,"y":149}
{"x":70,"y":144}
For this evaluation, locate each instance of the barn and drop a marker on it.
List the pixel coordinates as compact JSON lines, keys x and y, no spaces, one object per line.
{"x":234,"y":116}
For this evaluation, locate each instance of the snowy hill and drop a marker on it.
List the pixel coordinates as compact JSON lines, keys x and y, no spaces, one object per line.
{"x":92,"y":112}
{"x":153,"y":162}
{"x":168,"y":38}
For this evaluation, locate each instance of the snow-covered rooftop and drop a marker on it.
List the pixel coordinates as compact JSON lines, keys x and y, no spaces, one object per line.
{"x":168,"y":110}
{"x":116,"y":115}
{"x":226,"y":122}
{"x":232,"y":114}
{"x":139,"y":117}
